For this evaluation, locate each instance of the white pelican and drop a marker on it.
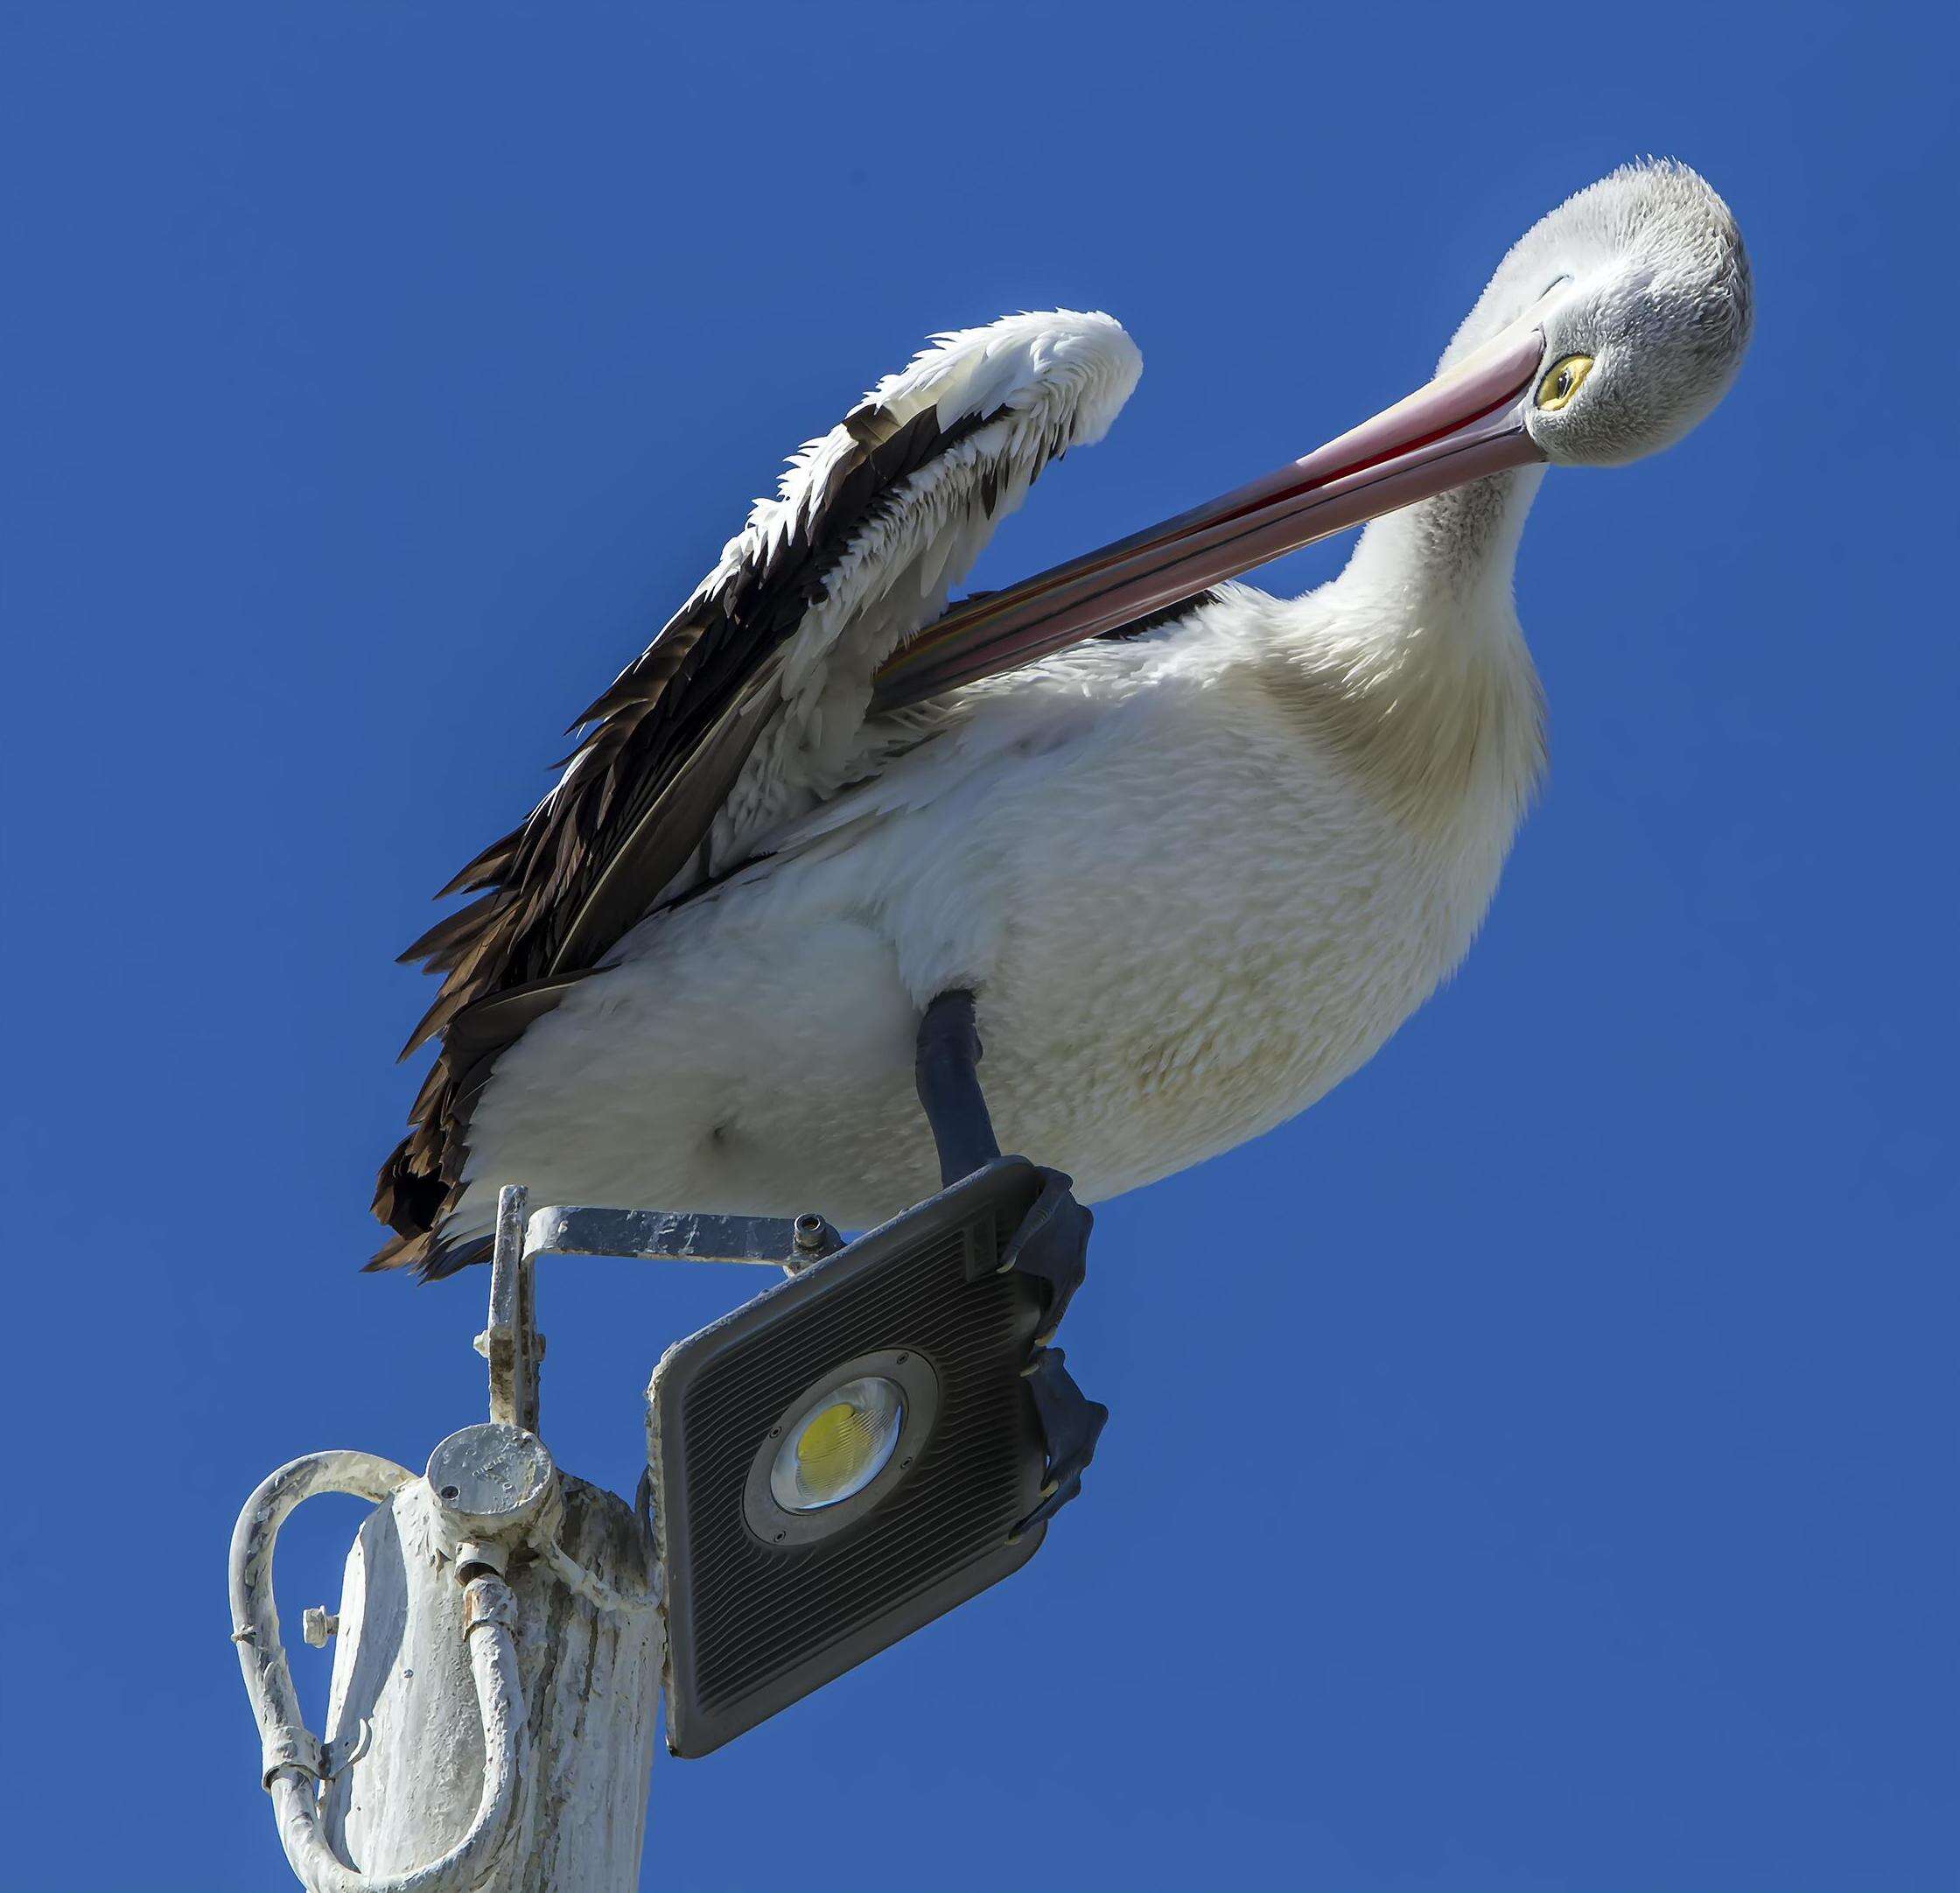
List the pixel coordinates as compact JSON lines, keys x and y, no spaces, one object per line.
{"x":1191,"y":876}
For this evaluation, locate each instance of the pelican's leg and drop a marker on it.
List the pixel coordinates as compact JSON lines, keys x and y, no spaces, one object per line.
{"x":1050,"y":1243}
{"x":946,"y":1070}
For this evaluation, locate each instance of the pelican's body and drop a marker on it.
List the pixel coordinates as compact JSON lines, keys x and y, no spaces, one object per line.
{"x":1189,"y":910}
{"x":1194,"y":877}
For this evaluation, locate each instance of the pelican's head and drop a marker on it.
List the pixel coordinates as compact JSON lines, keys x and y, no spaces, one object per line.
{"x":1607,"y":332}
{"x":1639,"y":290}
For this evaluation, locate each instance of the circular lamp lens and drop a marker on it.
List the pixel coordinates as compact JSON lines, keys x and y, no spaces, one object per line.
{"x":840,"y":1446}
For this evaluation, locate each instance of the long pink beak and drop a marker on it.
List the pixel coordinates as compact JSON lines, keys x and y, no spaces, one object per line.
{"x":1464,"y":424}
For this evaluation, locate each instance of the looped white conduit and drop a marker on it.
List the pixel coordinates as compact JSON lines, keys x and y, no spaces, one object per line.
{"x":291,"y":1751}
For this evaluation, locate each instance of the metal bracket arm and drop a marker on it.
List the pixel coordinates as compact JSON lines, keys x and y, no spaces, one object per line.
{"x":511,"y":1343}
{"x":784,"y":1241}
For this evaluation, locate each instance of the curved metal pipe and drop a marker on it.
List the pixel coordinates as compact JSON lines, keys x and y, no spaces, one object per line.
{"x":290,"y":1752}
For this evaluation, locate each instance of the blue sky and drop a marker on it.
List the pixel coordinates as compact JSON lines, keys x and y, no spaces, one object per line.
{"x":1535,"y":1469}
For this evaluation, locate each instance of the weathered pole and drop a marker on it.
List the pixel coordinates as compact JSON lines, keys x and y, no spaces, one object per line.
{"x":402,"y":1702}
{"x":495,"y":1683}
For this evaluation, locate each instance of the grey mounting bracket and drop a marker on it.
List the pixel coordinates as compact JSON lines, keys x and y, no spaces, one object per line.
{"x":511,"y":1343}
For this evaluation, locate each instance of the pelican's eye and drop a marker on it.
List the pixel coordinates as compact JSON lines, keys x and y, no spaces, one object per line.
{"x":1562,"y":380}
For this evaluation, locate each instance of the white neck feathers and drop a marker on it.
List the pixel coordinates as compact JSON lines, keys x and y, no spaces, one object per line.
{"x":1411,"y":667}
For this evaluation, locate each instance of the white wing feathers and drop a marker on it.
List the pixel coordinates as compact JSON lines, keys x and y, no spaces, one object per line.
{"x":1041,"y":384}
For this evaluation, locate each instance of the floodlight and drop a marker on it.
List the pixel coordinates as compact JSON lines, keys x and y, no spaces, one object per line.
{"x":858,"y":1449}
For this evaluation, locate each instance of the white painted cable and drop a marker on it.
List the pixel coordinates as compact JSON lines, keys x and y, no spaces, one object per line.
{"x":588,"y":1584}
{"x":290,"y":1752}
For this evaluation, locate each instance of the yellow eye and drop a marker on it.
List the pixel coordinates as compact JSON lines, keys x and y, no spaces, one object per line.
{"x":1562,"y":380}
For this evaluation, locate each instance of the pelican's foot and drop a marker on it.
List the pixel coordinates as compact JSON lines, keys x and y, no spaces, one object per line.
{"x":1052,"y":1246}
{"x":1071,"y":1424}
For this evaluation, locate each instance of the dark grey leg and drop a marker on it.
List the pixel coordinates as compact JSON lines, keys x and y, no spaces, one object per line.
{"x":947,"y":1072}
{"x":1051,"y":1246}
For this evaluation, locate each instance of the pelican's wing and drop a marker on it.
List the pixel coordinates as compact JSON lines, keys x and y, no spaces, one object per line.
{"x":750,"y":705}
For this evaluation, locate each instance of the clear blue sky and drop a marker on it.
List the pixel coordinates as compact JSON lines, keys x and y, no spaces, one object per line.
{"x":1533,"y":1470}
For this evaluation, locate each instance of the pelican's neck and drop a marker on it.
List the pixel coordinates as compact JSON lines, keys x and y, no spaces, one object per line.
{"x":1417,"y":662}
{"x":1460,"y":547}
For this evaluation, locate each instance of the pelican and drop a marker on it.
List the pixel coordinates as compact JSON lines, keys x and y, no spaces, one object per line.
{"x":1179,"y":855}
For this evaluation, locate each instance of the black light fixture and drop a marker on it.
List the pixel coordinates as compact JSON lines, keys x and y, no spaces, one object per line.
{"x":862,"y":1447}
